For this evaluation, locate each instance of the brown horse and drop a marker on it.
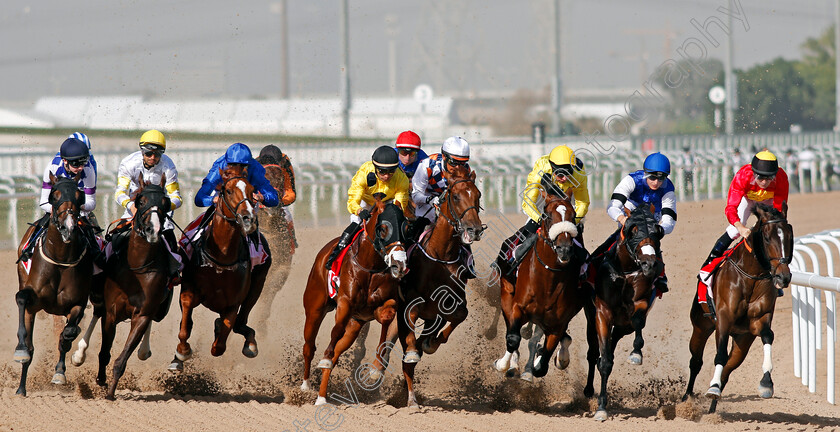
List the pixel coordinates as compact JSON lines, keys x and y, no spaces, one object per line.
{"x":278,"y":231}
{"x":623,"y":297}
{"x":219,"y":275}
{"x":59,"y":277}
{"x":368,"y":289}
{"x":545,"y":290}
{"x":137,"y":281}
{"x":437,"y":291}
{"x":744,"y":291}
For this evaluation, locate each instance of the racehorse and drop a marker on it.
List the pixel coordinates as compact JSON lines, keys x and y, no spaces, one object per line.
{"x":623,"y":296}
{"x":437,"y":291}
{"x":744,"y":291}
{"x":137,"y":284}
{"x":219,"y":275}
{"x":544,"y":290}
{"x":368,"y":289}
{"x":280,"y":235}
{"x":59,"y":278}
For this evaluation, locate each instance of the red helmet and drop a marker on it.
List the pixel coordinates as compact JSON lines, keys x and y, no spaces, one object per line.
{"x":409,"y":140}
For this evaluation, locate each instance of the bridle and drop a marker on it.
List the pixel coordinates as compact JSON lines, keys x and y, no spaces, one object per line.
{"x":236,"y":218}
{"x":454,"y":219}
{"x":631,"y":251}
{"x":382,"y":249}
{"x":769,"y":269}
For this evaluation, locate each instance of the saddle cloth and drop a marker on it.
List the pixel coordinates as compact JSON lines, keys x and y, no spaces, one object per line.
{"x":333,"y":279}
{"x":706,"y":277}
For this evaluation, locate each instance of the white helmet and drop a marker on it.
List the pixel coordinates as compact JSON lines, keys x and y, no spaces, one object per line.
{"x":456,"y":148}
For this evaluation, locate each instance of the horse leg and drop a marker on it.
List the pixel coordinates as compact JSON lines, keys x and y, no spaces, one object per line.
{"x":592,"y":344}
{"x":139,"y":324}
{"x":342,"y":319}
{"x":183,"y":351}
{"x":223,"y":326}
{"x":605,"y":362}
{"x":454,"y":320}
{"x":544,"y":355}
{"x":109,"y":330}
{"x":258,"y":275}
{"x":68,"y":335}
{"x":144,"y":351}
{"x":721,"y":356}
{"x":78,"y":357}
{"x":351,"y":332}
{"x":513,"y":338}
{"x":563,"y":357}
{"x":740,"y":346}
{"x":765,"y":386}
{"x":533,"y":345}
{"x":310,"y":332}
{"x":702,"y":329}
{"x":25,"y":348}
{"x":386,"y":345}
{"x":405,"y":329}
{"x":638,"y":321}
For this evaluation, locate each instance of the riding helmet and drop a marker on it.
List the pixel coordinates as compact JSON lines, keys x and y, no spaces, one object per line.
{"x":764,"y":163}
{"x":239,"y":153}
{"x":385,"y":157}
{"x":456,"y":148}
{"x":562,"y":155}
{"x":74,"y":149}
{"x":81,"y":137}
{"x":408,"y":140}
{"x":153,"y":138}
{"x":657,"y":162}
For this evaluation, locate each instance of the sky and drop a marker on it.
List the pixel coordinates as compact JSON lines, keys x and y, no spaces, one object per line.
{"x":220,"y":49}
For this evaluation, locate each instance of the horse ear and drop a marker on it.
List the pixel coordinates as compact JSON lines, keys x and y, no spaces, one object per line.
{"x":652,"y":209}
{"x":78,"y":176}
{"x":141,"y":181}
{"x":163,"y":180}
{"x":627,"y":211}
{"x":472,"y":176}
{"x":53,"y":179}
{"x":398,"y":204}
{"x":784,"y":208}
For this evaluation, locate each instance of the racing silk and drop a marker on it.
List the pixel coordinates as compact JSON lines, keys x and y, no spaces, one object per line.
{"x":411,"y":168}
{"x":91,"y":160}
{"x":395,"y":189}
{"x":128,"y":177}
{"x":289,"y":194}
{"x":575,"y":187}
{"x":428,"y":180}
{"x":256,"y":176}
{"x":744,"y":186}
{"x":634,"y":191}
{"x":87,"y":184}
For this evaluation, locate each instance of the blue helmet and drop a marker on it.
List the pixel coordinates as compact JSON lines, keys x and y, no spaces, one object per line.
{"x":657,"y":162}
{"x":73,"y":149}
{"x":81,"y":137}
{"x":238,"y":153}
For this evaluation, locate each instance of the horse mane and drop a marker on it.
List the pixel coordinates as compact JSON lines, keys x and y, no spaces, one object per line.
{"x":772,"y":211}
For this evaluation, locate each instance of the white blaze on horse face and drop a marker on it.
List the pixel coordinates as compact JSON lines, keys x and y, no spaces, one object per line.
{"x":562,"y":210}
{"x":782,"y":238}
{"x":648,"y":250}
{"x":241,"y":186}
{"x":155,"y":220}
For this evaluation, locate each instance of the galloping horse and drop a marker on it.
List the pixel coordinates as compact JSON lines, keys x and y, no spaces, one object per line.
{"x":545,"y":290}
{"x":138,"y":281}
{"x":744,"y":291}
{"x":219,"y":275}
{"x":623,"y":297}
{"x":440,"y":270}
{"x":368,"y":289}
{"x":59,"y":278}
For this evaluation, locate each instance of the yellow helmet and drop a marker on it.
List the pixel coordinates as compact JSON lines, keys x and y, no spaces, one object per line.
{"x":153,"y":137}
{"x":562,"y":155}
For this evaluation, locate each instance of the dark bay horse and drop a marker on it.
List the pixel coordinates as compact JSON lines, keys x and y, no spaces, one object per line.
{"x":436,"y":288}
{"x":59,"y":278}
{"x":369,"y":282}
{"x":219,"y":275}
{"x":545,"y":290}
{"x":137,"y":281}
{"x":744,"y":291}
{"x":623,"y":296}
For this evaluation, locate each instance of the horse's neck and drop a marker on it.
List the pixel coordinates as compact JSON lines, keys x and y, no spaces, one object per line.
{"x":625,"y":260}
{"x":748,"y":259}
{"x":57,"y":249}
{"x":223,"y":240}
{"x":441,"y":244}
{"x":139,"y":249}
{"x":365,"y":253}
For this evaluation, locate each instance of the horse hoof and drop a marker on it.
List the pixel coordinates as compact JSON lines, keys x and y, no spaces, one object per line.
{"x":713,"y":392}
{"x":176,"y":366}
{"x":250,"y":350}
{"x":217,"y":351}
{"x":59,"y":379}
{"x":78,"y":358}
{"x":375,"y":375}
{"x":411,"y":357}
{"x":144,"y":355}
{"x":502,"y":364}
{"x":320,"y":401}
{"x":527,"y":377}
{"x":183,"y":357}
{"x":325,"y":364}
{"x":21,"y":392}
{"x":765,"y":392}
{"x":601,"y":415}
{"x":635,"y":359}
{"x":22,"y":356}
{"x":562,"y":360}
{"x":305,"y":386}
{"x":512,"y":372}
{"x":427,"y":347}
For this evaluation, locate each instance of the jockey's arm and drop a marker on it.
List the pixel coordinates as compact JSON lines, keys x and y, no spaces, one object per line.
{"x":121,"y":195}
{"x":262,"y":185}
{"x":782,"y":189}
{"x":581,"y":194}
{"x":358,"y":187}
{"x":46,"y":188}
{"x":173,"y":189}
{"x":622,"y":192}
{"x":737,"y":190}
{"x":401,"y":195}
{"x":669,"y":212}
{"x":531,"y":196}
{"x":89,"y":187}
{"x":204,"y":196}
{"x":419,"y":184}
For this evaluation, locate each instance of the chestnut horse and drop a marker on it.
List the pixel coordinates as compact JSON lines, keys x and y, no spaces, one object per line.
{"x":59,"y":278}
{"x":219,"y":275}
{"x":624,"y":295}
{"x":137,"y":281}
{"x":369,"y":282}
{"x":744,"y":291}
{"x":545,"y":290}
{"x":436,"y":291}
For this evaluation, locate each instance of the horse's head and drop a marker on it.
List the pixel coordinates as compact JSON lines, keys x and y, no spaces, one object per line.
{"x":235,"y":194}
{"x":386,"y":229}
{"x":641,"y":235}
{"x":66,"y":200}
{"x":558,"y":226}
{"x":461,"y":203}
{"x":772,"y":240}
{"x":151,"y":204}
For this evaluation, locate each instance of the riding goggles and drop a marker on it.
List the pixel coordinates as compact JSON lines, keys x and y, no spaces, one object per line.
{"x":765,"y":178}
{"x":150,"y":150}
{"x":661,"y":176}
{"x":386,"y":171}
{"x":77,"y":163}
{"x":407,"y":152}
{"x":455,"y":162}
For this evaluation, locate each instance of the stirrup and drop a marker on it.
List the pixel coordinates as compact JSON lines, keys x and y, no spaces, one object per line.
{"x":708,"y":310}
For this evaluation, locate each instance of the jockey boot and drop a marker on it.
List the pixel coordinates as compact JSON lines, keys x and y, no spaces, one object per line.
{"x":661,"y":284}
{"x":522,"y":249}
{"x":719,"y":248}
{"x":602,"y":249}
{"x":780,"y":292}
{"x":40,"y":228}
{"x":470,"y":262}
{"x":343,"y":242}
{"x":708,"y":310}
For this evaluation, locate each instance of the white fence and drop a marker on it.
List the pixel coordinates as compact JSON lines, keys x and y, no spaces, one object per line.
{"x":806,"y":308}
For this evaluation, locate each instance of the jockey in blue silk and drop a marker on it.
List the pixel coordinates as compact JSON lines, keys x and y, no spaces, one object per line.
{"x":645,"y":187}
{"x":238,"y":154}
{"x":410,"y":154}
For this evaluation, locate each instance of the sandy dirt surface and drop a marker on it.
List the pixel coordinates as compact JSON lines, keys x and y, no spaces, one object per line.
{"x":457,"y":387}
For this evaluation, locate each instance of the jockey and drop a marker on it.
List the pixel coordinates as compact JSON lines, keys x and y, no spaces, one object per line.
{"x":83,"y":138}
{"x":559,"y":172}
{"x":408,"y":147}
{"x":645,"y":187}
{"x":272,"y":153}
{"x":72,"y":159}
{"x":152,"y":164}
{"x":379,"y":175}
{"x":761,"y":182}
